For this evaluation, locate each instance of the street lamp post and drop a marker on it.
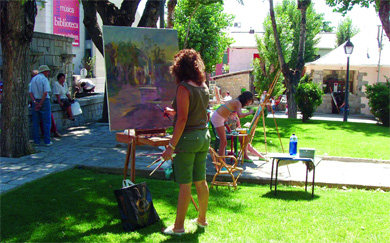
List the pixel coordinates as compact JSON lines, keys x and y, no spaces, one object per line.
{"x":348,"y":48}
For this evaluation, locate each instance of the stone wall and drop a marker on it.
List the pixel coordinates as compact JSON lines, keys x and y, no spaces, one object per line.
{"x":233,"y":82}
{"x":54,"y":51}
{"x":92,"y":107}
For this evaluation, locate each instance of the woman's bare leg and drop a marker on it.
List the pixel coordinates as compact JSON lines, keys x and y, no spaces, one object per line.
{"x":182,"y":206}
{"x":202,"y":190}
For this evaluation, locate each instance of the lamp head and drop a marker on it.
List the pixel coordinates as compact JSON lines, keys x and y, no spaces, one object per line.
{"x":348,"y":47}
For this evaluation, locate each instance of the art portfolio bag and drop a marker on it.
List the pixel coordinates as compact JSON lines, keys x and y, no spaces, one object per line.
{"x":135,"y":205}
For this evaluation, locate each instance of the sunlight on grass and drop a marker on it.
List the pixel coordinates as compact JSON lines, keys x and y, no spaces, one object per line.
{"x":47,"y":210}
{"x":332,"y":138}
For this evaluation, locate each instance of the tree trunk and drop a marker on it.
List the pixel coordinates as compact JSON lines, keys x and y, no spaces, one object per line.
{"x":189,"y":25}
{"x":384,"y":12}
{"x":91,"y":24}
{"x":17,"y":26}
{"x":171,"y":13}
{"x":110,"y":15}
{"x":105,"y":107}
{"x":291,"y":86}
{"x":151,"y":13}
{"x":291,"y":77}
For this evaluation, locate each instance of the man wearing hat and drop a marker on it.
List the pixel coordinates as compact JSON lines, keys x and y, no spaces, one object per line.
{"x":39,"y":92}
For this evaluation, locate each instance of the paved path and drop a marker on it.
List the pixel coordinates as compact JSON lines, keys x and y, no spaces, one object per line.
{"x":331,"y":117}
{"x":94,"y":146}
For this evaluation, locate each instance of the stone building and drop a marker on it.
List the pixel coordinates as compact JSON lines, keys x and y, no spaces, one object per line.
{"x":233,"y":82}
{"x":368,"y":65}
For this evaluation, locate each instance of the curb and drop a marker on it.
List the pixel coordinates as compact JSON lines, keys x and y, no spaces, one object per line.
{"x":159,"y":174}
{"x":350,"y":159}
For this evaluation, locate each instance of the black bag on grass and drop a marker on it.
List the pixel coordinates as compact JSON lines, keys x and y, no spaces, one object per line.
{"x":136,"y":206}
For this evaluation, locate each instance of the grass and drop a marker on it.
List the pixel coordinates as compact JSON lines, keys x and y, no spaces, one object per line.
{"x":79,"y":205}
{"x":332,"y":138}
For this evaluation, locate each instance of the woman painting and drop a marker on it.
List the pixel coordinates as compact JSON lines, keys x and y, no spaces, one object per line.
{"x":222,"y":113}
{"x":191,"y":139}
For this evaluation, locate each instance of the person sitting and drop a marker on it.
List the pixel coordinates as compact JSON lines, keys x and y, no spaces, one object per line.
{"x":232,"y":123}
{"x":61,"y":91}
{"x":222,"y":113}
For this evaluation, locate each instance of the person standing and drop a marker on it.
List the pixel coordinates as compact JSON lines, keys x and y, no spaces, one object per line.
{"x":273,"y":105}
{"x":39,"y":92}
{"x":191,"y":139}
{"x":53,"y":128}
{"x":263,"y":96}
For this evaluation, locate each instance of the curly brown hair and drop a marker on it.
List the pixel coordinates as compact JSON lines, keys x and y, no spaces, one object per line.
{"x":188,"y":65}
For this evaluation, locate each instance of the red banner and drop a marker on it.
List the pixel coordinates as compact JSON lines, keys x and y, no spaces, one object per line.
{"x":66,"y":19}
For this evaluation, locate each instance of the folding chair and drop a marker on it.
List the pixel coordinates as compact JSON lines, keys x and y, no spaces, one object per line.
{"x":229,"y":169}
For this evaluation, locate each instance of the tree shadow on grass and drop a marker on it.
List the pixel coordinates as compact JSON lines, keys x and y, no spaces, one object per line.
{"x":79,"y":205}
{"x":289,"y":195}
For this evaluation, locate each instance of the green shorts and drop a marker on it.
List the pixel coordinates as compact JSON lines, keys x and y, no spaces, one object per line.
{"x":189,"y":164}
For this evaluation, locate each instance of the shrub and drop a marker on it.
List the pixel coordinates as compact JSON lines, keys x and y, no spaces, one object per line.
{"x":378,"y":99}
{"x":308,"y":98}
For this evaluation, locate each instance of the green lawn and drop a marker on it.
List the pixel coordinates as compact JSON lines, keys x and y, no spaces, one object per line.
{"x":332,"y":138}
{"x":79,"y":205}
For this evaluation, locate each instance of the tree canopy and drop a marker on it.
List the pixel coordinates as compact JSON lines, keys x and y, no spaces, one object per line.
{"x":201,"y":27}
{"x":345,"y":30}
{"x":288,"y":26}
{"x":381,"y":6}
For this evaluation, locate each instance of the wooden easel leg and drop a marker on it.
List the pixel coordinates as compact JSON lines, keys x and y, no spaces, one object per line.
{"x":265,"y":135}
{"x":133,"y":161}
{"x":126,"y":167}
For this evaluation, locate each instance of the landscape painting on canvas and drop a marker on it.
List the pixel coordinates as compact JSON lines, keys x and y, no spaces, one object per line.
{"x":139,"y":85}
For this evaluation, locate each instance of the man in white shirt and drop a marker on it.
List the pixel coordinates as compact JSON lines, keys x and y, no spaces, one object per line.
{"x":39,"y":92}
{"x":62,"y":95}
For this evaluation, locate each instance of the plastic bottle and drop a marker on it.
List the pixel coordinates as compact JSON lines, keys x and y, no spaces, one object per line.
{"x":293,"y":145}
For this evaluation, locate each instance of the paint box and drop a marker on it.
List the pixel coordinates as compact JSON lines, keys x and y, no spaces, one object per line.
{"x":307,"y":153}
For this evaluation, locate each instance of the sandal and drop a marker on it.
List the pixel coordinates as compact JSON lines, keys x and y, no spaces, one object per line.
{"x":195,"y":221}
{"x":169,"y":231}
{"x":248,"y":160}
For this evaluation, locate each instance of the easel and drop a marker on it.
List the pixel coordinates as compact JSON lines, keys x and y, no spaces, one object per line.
{"x":152,"y":137}
{"x":134,"y":137}
{"x":262,"y":106}
{"x":257,"y":116}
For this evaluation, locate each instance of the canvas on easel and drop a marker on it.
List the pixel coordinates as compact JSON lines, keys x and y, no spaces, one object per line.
{"x":139,"y":85}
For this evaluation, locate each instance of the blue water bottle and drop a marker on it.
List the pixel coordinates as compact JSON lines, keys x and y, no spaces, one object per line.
{"x":293,"y":145}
